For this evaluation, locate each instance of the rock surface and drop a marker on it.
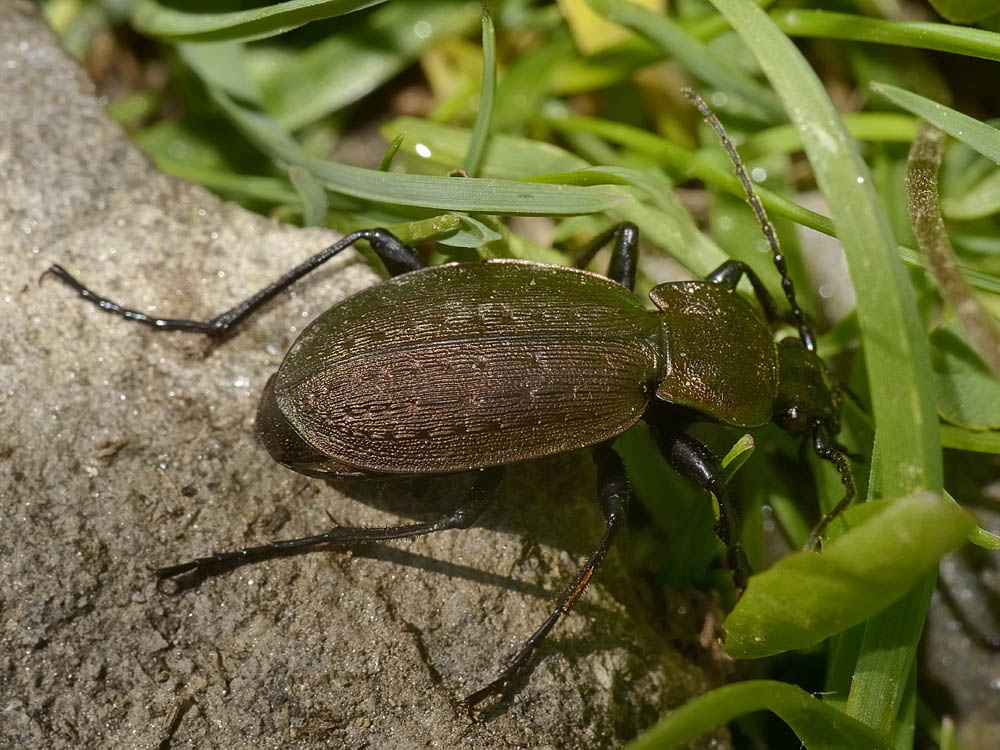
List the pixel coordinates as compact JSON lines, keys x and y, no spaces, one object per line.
{"x":124,"y":447}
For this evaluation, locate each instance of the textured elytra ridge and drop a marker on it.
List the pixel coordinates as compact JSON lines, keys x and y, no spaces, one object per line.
{"x":471,"y":365}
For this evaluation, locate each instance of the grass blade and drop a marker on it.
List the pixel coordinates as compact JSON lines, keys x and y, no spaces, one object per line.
{"x":886,"y":658}
{"x":857,"y":575}
{"x":965,"y":11}
{"x":689,"y":164}
{"x":445,"y":193}
{"x":968,"y":440}
{"x":245,"y":186}
{"x":817,"y":725}
{"x":313,"y":196}
{"x":696,"y":56}
{"x":385,"y":164}
{"x":481,"y":128}
{"x":153,"y":19}
{"x":864,"y":126}
{"x":937,"y":36}
{"x":975,"y":134}
{"x":507,"y":157}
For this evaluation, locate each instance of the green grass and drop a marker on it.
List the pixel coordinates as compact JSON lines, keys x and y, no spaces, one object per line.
{"x":258,"y":99}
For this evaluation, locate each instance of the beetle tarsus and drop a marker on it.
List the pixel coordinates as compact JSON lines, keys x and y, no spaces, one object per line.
{"x":521,"y":665}
{"x":163,"y":324}
{"x":397,"y":256}
{"x":736,"y":559}
{"x":825,"y":449}
{"x":474,"y":504}
{"x":614,"y":494}
{"x":175,"y":570}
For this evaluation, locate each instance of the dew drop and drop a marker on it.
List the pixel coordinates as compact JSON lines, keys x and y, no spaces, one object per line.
{"x":422,"y":29}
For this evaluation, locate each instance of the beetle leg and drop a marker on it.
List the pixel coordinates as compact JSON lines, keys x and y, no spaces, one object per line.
{"x":398,"y":258}
{"x":729,"y":275}
{"x":614,"y":494}
{"x":624,"y":255}
{"x":477,"y":499}
{"x":826,"y":448}
{"x":696,"y":463}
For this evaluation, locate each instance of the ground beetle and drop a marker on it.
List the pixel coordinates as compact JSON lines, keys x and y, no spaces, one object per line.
{"x":471,"y":366}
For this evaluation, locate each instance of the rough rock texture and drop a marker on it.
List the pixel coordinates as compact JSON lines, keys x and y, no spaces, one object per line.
{"x":123,"y":447}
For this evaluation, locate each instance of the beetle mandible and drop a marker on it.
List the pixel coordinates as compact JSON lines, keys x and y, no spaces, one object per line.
{"x":472,"y":366}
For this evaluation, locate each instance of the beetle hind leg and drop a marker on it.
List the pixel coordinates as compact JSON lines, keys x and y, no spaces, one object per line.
{"x":476,"y":500}
{"x":614,"y":494}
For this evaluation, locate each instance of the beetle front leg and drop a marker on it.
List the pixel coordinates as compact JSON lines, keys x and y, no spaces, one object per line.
{"x":624,"y":255}
{"x":614,"y":494}
{"x":475,"y":502}
{"x":696,"y":463}
{"x":398,"y":257}
{"x":826,"y":449}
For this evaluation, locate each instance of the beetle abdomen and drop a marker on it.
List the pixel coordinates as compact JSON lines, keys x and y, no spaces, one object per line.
{"x":470,"y":365}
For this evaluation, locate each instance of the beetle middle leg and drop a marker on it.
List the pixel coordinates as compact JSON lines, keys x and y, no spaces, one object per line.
{"x":397,"y":256}
{"x":624,"y":254}
{"x":614,"y":494}
{"x":478,"y":497}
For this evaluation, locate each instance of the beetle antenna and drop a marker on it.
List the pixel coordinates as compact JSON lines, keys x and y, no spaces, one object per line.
{"x":805,"y":330}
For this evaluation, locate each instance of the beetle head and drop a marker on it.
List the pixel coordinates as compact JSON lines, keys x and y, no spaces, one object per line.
{"x":808,"y":405}
{"x":808,"y":397}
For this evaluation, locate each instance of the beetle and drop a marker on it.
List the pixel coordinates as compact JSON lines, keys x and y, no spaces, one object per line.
{"x":468,"y":367}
